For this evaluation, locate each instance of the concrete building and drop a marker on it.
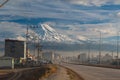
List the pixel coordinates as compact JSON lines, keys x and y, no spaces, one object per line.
{"x":48,"y":55}
{"x":15,"y":48}
{"x":82,"y":58}
{"x":6,"y":62}
{"x":107,"y":59}
{"x":58,"y":58}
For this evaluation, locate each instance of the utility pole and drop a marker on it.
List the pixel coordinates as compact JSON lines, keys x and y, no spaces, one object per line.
{"x":88,"y":51}
{"x":34,"y":46}
{"x":27,"y":42}
{"x":100,"y":41}
{"x":117,"y":48}
{"x":39,"y":47}
{"x":112,"y":56}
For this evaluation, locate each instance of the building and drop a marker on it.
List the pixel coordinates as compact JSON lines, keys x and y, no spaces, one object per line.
{"x":107,"y":59}
{"x":48,"y":55}
{"x":15,"y":48}
{"x":6,"y":62}
{"x":82,"y":58}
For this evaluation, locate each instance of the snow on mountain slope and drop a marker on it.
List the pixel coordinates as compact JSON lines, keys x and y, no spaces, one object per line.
{"x":51,"y":34}
{"x":45,"y":32}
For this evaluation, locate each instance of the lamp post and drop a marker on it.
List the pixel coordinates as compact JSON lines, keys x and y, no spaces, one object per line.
{"x":27,"y":35}
{"x":100,"y":42}
{"x":117,"y":48}
{"x":89,"y":45}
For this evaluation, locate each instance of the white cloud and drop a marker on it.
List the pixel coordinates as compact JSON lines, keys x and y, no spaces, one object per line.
{"x":79,"y":37}
{"x":93,"y":2}
{"x":14,"y":30}
{"x":83,"y":2}
{"x":118,"y":14}
{"x":40,"y":8}
{"x":21,"y":38}
{"x":12,"y":27}
{"x":11,"y":30}
{"x":107,"y":29}
{"x":89,"y":31}
{"x":116,"y":2}
{"x":58,"y":9}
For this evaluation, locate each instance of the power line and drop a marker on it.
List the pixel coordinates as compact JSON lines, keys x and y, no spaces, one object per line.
{"x":38,"y":46}
{"x":100,"y":41}
{"x":1,"y":5}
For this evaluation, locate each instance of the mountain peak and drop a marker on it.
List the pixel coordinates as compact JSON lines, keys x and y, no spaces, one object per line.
{"x":46,"y":27}
{"x":50,"y":34}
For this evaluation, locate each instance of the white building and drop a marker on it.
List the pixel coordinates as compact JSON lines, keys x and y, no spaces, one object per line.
{"x":6,"y":62}
{"x":107,"y":58}
{"x":48,"y":55}
{"x":82,"y":57}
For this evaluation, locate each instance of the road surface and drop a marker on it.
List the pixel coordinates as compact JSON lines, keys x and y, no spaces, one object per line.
{"x":95,"y":73}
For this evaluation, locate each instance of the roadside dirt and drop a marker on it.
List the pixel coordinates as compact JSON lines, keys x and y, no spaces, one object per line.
{"x":47,"y":72}
{"x":38,"y":74}
{"x":28,"y":73}
{"x":64,"y":74}
{"x":73,"y":75}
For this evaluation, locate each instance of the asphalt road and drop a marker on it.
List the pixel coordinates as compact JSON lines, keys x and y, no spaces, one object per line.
{"x":95,"y":73}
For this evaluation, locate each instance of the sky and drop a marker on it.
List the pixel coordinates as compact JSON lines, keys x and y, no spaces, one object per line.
{"x":79,"y":19}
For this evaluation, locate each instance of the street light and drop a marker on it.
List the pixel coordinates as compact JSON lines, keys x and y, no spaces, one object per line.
{"x":27,"y":42}
{"x":117,"y":48}
{"x":100,"y":42}
{"x":89,"y":45}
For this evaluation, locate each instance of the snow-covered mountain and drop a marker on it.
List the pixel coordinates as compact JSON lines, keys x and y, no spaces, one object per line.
{"x":45,"y":31}
{"x":50,"y":34}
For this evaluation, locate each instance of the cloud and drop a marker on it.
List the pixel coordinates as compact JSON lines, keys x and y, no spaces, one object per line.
{"x":12,"y":27}
{"x":90,"y":31}
{"x":11,"y":30}
{"x":116,"y":2}
{"x":94,"y":2}
{"x":40,"y":8}
{"x":72,"y":17}
{"x":118,"y":14}
{"x":56,"y":9}
{"x":20,"y":38}
{"x":79,"y":37}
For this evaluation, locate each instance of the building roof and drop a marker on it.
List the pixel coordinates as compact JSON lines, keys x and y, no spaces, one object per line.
{"x":14,"y":40}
